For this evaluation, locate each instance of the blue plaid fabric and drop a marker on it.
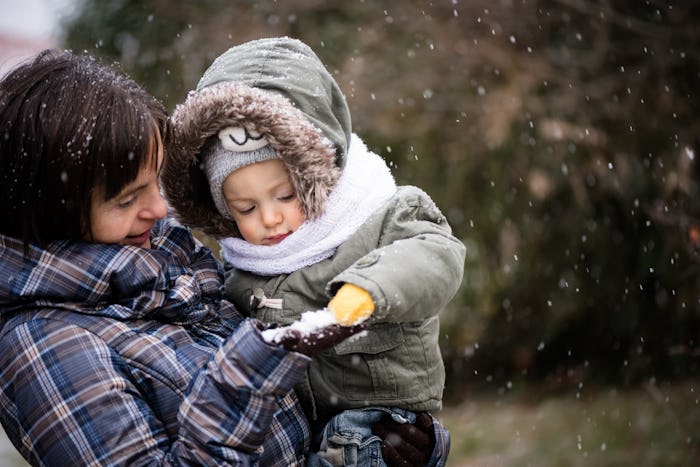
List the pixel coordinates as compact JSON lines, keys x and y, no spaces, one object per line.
{"x":115,"y":355}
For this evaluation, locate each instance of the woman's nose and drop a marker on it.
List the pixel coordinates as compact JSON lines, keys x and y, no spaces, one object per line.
{"x":156,"y":206}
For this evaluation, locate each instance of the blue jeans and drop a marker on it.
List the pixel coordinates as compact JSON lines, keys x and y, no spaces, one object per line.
{"x":347,"y":439}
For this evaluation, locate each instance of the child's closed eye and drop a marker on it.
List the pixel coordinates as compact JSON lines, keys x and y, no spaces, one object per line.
{"x":245,"y":209}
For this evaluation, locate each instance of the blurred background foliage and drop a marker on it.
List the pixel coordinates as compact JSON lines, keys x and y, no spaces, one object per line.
{"x":559,"y":137}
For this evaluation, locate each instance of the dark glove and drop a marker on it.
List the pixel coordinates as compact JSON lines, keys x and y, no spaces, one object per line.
{"x":317,"y":341}
{"x":404,"y":444}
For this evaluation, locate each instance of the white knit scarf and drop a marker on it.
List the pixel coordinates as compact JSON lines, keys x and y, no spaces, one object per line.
{"x":365,"y":185}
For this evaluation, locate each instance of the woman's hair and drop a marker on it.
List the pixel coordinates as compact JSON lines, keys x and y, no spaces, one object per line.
{"x":69,"y":127}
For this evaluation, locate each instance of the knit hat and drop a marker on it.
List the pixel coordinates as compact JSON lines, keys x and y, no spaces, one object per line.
{"x":231,"y":149}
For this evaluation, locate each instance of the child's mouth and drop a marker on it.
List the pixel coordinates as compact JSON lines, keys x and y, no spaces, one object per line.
{"x":278,"y":238}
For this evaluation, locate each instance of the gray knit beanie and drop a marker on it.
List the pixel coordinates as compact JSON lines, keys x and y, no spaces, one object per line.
{"x":231,"y":149}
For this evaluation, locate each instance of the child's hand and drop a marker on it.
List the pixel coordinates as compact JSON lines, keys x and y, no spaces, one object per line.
{"x":351,"y":305}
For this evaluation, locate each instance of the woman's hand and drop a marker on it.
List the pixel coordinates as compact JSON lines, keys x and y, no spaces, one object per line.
{"x":319,"y":340}
{"x":308,"y":342}
{"x":405,"y":444}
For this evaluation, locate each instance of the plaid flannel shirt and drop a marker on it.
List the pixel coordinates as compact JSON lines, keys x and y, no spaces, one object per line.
{"x":115,"y":355}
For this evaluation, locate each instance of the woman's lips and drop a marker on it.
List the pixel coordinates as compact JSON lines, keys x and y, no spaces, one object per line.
{"x":139,"y":240}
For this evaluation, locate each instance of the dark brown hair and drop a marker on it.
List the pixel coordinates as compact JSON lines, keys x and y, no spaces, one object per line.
{"x":69,"y":127}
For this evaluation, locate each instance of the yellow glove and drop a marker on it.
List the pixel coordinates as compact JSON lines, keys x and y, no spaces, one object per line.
{"x":351,"y":305}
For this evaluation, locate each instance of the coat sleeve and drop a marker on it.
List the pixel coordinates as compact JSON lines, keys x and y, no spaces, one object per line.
{"x":417,"y":265}
{"x":231,"y":405}
{"x":68,"y":400}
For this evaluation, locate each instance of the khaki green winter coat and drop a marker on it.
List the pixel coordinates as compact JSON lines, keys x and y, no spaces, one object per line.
{"x":407,"y":259}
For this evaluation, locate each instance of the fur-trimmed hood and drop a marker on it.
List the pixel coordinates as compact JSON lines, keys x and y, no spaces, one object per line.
{"x":277,"y":87}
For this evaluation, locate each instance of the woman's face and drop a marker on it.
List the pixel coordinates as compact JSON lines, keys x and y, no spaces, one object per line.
{"x":127,"y":219}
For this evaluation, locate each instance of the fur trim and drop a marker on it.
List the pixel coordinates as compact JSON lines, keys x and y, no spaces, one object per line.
{"x":309,"y":156}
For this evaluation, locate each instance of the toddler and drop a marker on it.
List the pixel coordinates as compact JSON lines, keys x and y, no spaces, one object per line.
{"x":264,"y":159}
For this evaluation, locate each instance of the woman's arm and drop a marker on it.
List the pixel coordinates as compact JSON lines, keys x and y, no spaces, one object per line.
{"x":67,"y":399}
{"x":232,"y":402}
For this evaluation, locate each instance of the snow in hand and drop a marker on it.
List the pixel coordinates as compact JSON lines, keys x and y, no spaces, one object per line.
{"x":310,"y":321}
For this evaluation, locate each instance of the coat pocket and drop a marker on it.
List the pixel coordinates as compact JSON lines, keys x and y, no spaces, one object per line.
{"x":379,"y":338}
{"x":368,"y":368}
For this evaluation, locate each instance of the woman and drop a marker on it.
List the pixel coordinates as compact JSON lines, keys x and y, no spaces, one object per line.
{"x":116,"y":347}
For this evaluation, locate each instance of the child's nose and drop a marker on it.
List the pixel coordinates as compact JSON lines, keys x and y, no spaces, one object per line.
{"x":271,"y":217}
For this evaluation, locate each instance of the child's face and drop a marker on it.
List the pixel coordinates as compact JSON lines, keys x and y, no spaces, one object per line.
{"x":127,"y":219}
{"x":263,"y":202}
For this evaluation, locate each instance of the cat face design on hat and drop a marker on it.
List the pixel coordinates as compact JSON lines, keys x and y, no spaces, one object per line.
{"x":233,"y":147}
{"x":239,"y":139}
